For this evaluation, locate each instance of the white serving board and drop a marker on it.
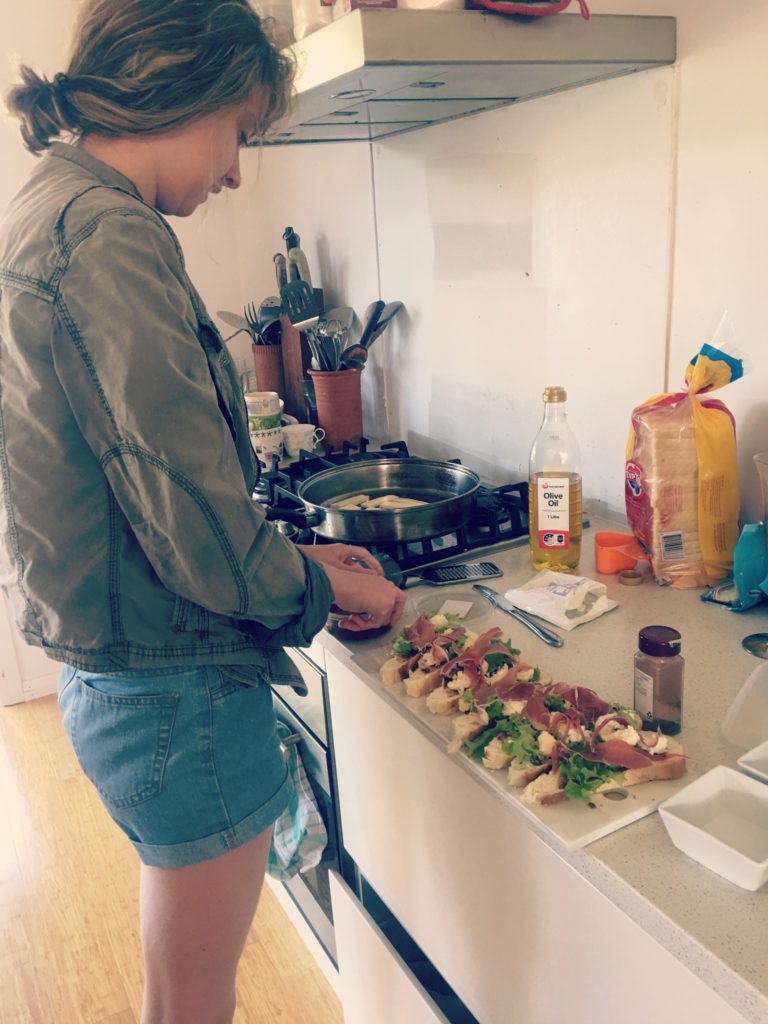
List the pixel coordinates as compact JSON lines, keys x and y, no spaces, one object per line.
{"x":573,"y":823}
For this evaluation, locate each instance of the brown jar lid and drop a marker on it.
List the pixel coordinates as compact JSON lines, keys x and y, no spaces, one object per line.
{"x":630,"y":578}
{"x":659,"y":641}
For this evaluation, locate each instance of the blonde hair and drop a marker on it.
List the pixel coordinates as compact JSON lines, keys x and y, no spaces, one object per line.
{"x":144,"y":66}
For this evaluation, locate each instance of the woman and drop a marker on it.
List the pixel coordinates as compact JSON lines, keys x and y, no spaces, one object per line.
{"x":132,"y":551}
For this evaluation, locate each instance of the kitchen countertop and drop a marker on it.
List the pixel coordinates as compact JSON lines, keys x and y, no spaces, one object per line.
{"x":712,"y":926}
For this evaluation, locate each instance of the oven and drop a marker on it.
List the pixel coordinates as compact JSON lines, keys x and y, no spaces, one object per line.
{"x":305,"y":716}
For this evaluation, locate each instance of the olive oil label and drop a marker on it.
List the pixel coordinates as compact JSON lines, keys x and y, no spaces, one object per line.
{"x":554,"y":511}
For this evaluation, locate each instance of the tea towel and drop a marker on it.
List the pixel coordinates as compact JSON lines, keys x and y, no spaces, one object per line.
{"x":299,"y":835}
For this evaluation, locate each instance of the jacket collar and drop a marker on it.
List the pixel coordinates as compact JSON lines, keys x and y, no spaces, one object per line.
{"x":106,"y":174}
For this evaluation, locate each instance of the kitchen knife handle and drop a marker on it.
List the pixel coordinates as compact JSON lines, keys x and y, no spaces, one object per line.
{"x":281,"y":270}
{"x":298,"y":261}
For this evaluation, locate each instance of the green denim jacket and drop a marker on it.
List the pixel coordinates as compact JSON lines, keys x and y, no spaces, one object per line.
{"x":128,"y":536}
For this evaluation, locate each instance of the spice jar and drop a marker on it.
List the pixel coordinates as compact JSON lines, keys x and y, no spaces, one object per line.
{"x":659,"y":678}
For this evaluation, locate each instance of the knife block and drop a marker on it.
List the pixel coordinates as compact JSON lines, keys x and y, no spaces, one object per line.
{"x":296,"y":362}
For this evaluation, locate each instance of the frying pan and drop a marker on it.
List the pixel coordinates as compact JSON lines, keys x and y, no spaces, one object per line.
{"x":449,"y":490}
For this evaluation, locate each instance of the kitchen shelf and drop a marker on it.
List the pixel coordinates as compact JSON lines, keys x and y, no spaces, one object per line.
{"x":381,"y":72}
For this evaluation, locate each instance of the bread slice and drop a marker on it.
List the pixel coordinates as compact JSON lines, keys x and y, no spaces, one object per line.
{"x":522,"y":772}
{"x":419,"y":683}
{"x":466,"y":727}
{"x":546,"y":789}
{"x":669,"y":765}
{"x":494,"y":756}
{"x":442,"y":701}
{"x":390,"y":671}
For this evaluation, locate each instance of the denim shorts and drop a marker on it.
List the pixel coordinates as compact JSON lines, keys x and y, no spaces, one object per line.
{"x":186,"y":760}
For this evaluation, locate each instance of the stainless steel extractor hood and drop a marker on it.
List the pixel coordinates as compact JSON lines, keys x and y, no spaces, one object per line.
{"x":380,"y":72}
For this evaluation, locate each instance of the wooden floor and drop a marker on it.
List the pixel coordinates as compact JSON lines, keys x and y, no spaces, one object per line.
{"x":69,"y":947}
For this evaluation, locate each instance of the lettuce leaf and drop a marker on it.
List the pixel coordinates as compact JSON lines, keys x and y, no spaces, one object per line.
{"x":495,"y":661}
{"x":584,"y":777}
{"x":554,"y":702}
{"x":521,"y":742}
{"x":402,"y":646}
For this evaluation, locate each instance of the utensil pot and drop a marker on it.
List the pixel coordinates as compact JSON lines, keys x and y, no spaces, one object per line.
{"x":339,"y":405}
{"x":268,"y":364}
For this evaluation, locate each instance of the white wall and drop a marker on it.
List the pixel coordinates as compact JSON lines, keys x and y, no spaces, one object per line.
{"x":592,"y":238}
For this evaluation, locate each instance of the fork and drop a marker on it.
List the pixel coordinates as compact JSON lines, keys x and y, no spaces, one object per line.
{"x":252,"y":319}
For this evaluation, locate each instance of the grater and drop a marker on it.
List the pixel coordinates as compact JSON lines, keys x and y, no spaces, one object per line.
{"x":443,"y":575}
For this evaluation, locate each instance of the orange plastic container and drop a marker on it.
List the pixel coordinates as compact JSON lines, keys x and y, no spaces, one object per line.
{"x":615,"y":552}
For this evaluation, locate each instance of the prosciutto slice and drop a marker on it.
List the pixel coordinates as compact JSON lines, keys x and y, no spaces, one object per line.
{"x":421,"y":632}
{"x":471,"y":660}
{"x":587,"y":701}
{"x":508,"y":687}
{"x":620,"y":754}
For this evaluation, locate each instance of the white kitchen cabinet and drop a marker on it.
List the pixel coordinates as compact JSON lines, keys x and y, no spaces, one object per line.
{"x":25,"y":672}
{"x":375,"y":986}
{"x":516,"y":931}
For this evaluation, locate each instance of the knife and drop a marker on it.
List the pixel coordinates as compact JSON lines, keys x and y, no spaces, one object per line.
{"x":281,"y":270}
{"x":297,"y":263}
{"x":501,"y":602}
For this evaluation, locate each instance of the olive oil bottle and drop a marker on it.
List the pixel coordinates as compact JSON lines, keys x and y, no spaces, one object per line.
{"x":554,"y":490}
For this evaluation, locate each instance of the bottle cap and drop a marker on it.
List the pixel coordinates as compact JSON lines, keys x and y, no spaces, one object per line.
{"x":659,"y":641}
{"x":554,"y":395}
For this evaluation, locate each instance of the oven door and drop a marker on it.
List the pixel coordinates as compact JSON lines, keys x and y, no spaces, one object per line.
{"x":310,"y":890}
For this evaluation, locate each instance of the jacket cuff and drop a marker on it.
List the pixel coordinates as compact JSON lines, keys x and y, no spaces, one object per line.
{"x":319,"y":598}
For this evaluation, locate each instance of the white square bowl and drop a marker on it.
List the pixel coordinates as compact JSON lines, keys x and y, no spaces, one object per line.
{"x":721,"y":820}
{"x":755,"y":762}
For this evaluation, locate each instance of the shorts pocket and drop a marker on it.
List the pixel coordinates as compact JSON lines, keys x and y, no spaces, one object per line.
{"x":122,"y":742}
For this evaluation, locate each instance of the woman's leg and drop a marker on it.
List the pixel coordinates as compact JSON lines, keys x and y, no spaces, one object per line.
{"x":194,"y":923}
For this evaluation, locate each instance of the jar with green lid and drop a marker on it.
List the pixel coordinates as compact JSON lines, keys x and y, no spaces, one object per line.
{"x":658,"y":691}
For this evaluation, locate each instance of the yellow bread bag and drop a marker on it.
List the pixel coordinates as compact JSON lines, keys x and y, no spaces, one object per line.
{"x":681,"y":480}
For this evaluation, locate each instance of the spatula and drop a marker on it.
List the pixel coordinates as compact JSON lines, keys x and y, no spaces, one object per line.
{"x":299,"y":303}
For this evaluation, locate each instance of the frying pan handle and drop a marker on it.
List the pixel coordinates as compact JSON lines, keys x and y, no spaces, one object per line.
{"x":294,"y":515}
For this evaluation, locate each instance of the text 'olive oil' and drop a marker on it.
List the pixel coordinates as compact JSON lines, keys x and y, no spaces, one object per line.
{"x":554,"y":490}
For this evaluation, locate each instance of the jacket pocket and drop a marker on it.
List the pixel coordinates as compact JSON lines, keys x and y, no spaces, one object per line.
{"x":121,"y":742}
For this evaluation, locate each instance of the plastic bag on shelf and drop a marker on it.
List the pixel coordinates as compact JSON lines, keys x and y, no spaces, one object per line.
{"x":310,"y":15}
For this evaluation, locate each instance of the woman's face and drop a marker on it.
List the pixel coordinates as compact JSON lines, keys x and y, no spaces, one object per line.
{"x":203,"y":156}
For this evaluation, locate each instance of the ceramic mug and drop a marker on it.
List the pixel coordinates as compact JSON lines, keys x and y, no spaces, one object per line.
{"x":301,"y":435}
{"x":267,"y":443}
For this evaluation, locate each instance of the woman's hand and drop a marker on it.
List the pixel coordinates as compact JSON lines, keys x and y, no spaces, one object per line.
{"x":343,"y":556}
{"x":370,"y":600}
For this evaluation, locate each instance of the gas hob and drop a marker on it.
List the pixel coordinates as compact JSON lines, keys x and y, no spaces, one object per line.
{"x":499,"y":515}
